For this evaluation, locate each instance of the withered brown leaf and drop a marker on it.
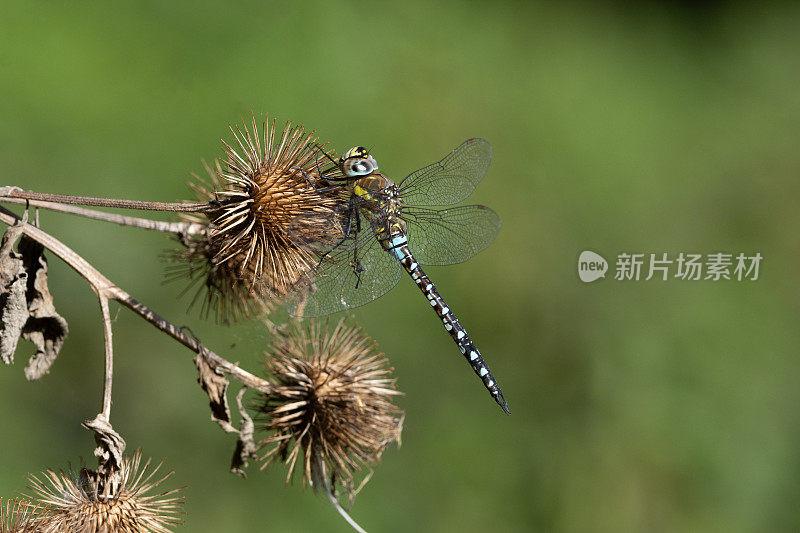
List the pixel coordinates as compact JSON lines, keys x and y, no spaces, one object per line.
{"x":13,"y":283}
{"x":45,"y":327}
{"x":110,"y":445}
{"x":245,"y":444}
{"x":216,"y":386}
{"x":26,"y":305}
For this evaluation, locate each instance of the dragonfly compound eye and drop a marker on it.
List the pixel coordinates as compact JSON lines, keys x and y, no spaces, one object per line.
{"x":359,"y":166}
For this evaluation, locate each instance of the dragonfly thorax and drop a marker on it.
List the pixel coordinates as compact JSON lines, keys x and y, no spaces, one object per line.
{"x":379,"y":202}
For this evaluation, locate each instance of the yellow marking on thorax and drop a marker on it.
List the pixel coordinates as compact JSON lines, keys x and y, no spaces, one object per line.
{"x":362,"y":192}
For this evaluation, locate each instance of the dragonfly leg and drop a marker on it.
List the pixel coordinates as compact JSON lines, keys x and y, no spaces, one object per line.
{"x":358,"y":268}
{"x":313,"y":185}
{"x":348,"y":228}
{"x":317,"y":150}
{"x":331,"y":179}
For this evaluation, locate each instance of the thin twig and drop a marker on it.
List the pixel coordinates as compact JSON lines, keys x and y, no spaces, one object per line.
{"x":107,"y":335}
{"x":106,"y":288}
{"x":186,"y":228}
{"x":329,"y":493}
{"x":175,"y":207}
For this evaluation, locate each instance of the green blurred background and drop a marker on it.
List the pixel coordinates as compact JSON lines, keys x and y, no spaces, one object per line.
{"x":638,"y":406}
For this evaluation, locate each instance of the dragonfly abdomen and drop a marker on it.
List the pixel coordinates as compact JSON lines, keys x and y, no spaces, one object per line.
{"x":397,"y":245}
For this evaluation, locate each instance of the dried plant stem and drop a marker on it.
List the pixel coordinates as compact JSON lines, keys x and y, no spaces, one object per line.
{"x":175,"y":207}
{"x":107,"y":289}
{"x":335,"y":502}
{"x":185,"y":228}
{"x":109,"y":373}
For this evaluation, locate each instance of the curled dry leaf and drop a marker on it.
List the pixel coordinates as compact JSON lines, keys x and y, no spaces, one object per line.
{"x":246,"y":444}
{"x":110,"y":445}
{"x":13,"y":282}
{"x":26,"y":305}
{"x":215,"y":385}
{"x":45,"y":327}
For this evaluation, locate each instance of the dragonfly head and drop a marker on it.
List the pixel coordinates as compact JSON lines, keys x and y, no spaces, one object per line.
{"x":357,"y":162}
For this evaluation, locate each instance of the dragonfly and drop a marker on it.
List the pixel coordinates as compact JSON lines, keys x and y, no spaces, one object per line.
{"x":385,"y":227}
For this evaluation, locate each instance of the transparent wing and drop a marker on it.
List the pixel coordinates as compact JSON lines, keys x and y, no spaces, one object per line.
{"x":450,"y":180}
{"x":349,"y":277}
{"x":452,"y":235}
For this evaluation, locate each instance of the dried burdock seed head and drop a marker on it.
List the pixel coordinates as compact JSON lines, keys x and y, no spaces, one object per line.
{"x":331,"y":408}
{"x":254,"y":249}
{"x":18,"y":516}
{"x":91,"y":503}
{"x":218,"y":286}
